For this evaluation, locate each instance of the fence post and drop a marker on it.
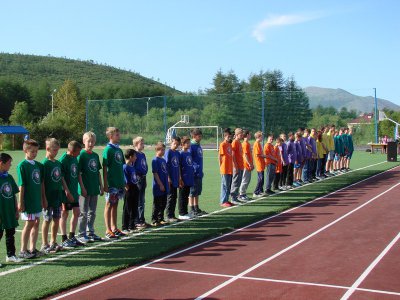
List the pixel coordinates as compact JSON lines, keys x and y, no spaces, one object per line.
{"x":165,"y":119}
{"x":87,"y":114}
{"x":376,"y":118}
{"x":263,"y":114}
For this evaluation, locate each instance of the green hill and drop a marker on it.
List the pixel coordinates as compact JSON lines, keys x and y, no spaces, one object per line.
{"x":90,"y":77}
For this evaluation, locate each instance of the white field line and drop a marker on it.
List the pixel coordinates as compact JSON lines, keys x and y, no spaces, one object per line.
{"x":213,"y":239}
{"x":242,"y":274}
{"x":368,"y":270}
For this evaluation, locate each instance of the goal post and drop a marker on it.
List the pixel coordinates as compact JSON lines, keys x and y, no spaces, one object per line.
{"x":211,"y":134}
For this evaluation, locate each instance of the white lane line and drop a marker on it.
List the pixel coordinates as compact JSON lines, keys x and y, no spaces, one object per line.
{"x":370,"y":268}
{"x":59,"y":257}
{"x":211,"y":240}
{"x":242,"y":274}
{"x":189,"y":272}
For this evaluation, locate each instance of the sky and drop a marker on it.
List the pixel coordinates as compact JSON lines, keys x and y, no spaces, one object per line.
{"x":353,"y":45}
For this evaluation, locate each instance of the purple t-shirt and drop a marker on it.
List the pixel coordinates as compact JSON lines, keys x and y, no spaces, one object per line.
{"x":291,"y":151}
{"x":284,"y":152}
{"x":159,"y":166}
{"x":313,"y":144}
{"x":172,"y":159}
{"x":299,"y":152}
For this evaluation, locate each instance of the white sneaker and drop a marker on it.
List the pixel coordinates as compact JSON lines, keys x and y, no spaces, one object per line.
{"x":83,"y":239}
{"x":13,"y":259}
{"x":257,"y":195}
{"x":184,"y":217}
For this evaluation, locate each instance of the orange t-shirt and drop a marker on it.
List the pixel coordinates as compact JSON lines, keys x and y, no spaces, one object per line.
{"x":238,"y":154}
{"x":247,"y":152}
{"x":225,"y":152}
{"x":279,"y":166}
{"x":259,"y":161}
{"x":269,"y":151}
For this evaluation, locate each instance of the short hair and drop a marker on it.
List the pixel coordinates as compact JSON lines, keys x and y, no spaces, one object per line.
{"x":52,"y":142}
{"x":159,"y":146}
{"x":185,"y":139}
{"x":258,"y":134}
{"x":227,"y":131}
{"x":298,"y":135}
{"x":137,"y":140}
{"x":4,"y":157}
{"x":88,"y":135}
{"x":129,"y":153}
{"x":290,"y":134}
{"x":238,"y":130}
{"x":74,"y":146}
{"x":29,"y":144}
{"x":307,"y":130}
{"x":111,"y":131}
{"x":270,"y":135}
{"x":196,"y":131}
{"x":176,"y":138}
{"x":246,"y":132}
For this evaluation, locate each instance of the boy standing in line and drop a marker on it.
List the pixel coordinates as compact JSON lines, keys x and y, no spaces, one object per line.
{"x":270,"y":162}
{"x":238,"y":165}
{"x":91,"y":186}
{"x":225,"y":158}
{"x":331,"y":149}
{"x":53,"y":192}
{"x":187,"y":180}
{"x":8,"y":207}
{"x":292,"y":159}
{"x":197,"y":154}
{"x":300,"y":159}
{"x":31,"y":200}
{"x":70,"y":180}
{"x":131,"y":192}
{"x":248,"y":167}
{"x":259,"y":159}
{"x":114,"y":182}
{"x":141,"y":172}
{"x":160,"y":185}
{"x":172,"y":159}
{"x":285,"y":161}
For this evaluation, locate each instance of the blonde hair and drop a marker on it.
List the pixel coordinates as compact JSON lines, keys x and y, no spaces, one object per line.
{"x":111,"y":131}
{"x":52,"y":143}
{"x":137,"y":140}
{"x":258,"y":134}
{"x":89,"y":135}
{"x":238,"y":131}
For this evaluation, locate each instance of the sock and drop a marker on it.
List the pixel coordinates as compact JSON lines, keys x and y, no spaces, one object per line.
{"x":64,"y":237}
{"x":192,"y":208}
{"x":196,"y":208}
{"x":71,"y":235}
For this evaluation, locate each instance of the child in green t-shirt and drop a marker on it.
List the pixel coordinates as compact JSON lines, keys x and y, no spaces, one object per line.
{"x":31,"y":201}
{"x":70,"y":181}
{"x":53,"y":188}
{"x":91,"y":186}
{"x":8,"y":207}
{"x":114,"y":182}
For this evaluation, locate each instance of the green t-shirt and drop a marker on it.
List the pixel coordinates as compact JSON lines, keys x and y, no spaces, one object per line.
{"x":69,"y":169}
{"x":8,"y":189}
{"x":89,"y":167}
{"x":30,"y":176}
{"x":113,"y":160}
{"x":52,"y":176}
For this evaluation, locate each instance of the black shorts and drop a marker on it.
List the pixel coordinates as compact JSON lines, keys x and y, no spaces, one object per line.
{"x":69,"y":205}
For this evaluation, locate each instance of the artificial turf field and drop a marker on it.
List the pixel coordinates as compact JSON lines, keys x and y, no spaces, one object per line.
{"x":68,"y":269}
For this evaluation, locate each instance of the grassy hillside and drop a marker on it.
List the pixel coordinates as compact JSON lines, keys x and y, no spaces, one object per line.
{"x":32,"y":69}
{"x":339,"y":98}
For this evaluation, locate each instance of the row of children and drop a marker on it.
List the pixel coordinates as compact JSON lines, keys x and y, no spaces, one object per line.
{"x":306,"y":156}
{"x":54,"y":187}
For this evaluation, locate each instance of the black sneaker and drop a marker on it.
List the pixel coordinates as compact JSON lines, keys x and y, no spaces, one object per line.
{"x":200,"y":212}
{"x":76,"y":242}
{"x":95,"y":238}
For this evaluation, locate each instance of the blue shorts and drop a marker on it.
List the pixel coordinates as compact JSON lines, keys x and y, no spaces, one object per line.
{"x":51,"y":213}
{"x":197,"y":187}
{"x":349,"y":155}
{"x":297,"y":166}
{"x":331,"y":155}
{"x":114,"y":195}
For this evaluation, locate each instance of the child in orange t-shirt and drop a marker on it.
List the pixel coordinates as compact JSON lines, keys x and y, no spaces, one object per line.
{"x":238,"y":165}
{"x":270,"y":162}
{"x":226,"y":168}
{"x":248,"y":167}
{"x":259,"y":160}
{"x":279,"y":165}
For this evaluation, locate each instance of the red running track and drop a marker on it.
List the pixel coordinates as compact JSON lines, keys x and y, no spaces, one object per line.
{"x":344,"y":245}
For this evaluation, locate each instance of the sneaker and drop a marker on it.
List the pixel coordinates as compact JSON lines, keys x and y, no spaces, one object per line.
{"x":36,"y":253}
{"x":110,"y":236}
{"x":68,"y":244}
{"x":26,"y":255}
{"x":83,"y":239}
{"x":141,"y":226}
{"x":172,"y":220}
{"x":45,"y":249}
{"x":94,"y":237}
{"x":119,"y":233}
{"x":126,"y":231}
{"x":75,"y":241}
{"x":163,"y":222}
{"x":184,"y":217}
{"x":270,"y":192}
{"x":156,"y":224}
{"x":257,"y":195}
{"x":13,"y":259}
{"x":200,"y":212}
{"x":192,"y":214}
{"x":54,"y":248}
{"x":236,"y":202}
{"x":226,"y":204}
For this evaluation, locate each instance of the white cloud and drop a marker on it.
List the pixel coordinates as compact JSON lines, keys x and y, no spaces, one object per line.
{"x":280,"y":20}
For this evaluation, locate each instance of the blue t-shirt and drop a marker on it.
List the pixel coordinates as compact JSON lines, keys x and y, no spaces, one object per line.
{"x":130,"y":174}
{"x":141,"y":164}
{"x":172,"y":159}
{"x":159,"y":166}
{"x":197,"y":156}
{"x":187,"y":171}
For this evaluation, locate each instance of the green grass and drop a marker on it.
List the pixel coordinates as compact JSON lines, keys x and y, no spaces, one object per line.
{"x":52,"y":277}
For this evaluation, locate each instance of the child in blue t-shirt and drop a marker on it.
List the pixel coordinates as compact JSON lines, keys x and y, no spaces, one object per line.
{"x":131,"y":196}
{"x":186,"y":181}
{"x":160,"y":185}
{"x":172,"y":158}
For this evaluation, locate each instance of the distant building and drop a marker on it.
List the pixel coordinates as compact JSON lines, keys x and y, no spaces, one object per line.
{"x":363,"y":119}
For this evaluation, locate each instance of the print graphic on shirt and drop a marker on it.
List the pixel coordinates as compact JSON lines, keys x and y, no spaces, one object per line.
{"x":56,"y":174}
{"x":229,"y":150}
{"x":134,"y":178}
{"x":200,"y":152}
{"x":189,"y":161}
{"x":36,"y":176}
{"x":74,"y":171}
{"x":118,"y":157}
{"x":92,"y":164}
{"x":6,"y":190}
{"x":174,"y":162}
{"x":164,"y":167}
{"x":143,"y":164}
